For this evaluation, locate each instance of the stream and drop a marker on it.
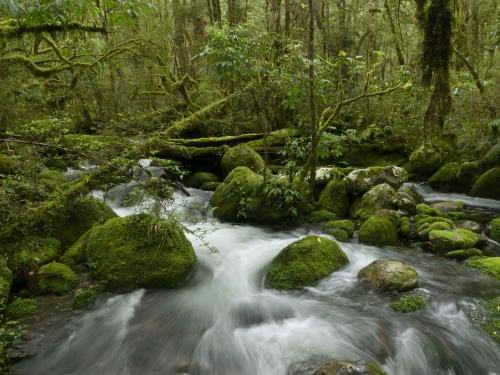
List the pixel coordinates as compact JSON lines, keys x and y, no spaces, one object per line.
{"x":224,"y":322}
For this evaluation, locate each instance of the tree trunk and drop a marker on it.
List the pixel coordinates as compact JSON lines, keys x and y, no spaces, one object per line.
{"x":179,"y":40}
{"x":312,"y":101}
{"x":287,"y":18}
{"x":392,"y":26}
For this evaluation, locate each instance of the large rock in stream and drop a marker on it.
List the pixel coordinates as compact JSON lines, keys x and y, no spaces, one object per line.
{"x":349,"y":368}
{"x":488,"y":185}
{"x":241,"y":156}
{"x":305,"y":262}
{"x":390,"y":275}
{"x":449,"y":240}
{"x":362,"y":180}
{"x":134,"y":252}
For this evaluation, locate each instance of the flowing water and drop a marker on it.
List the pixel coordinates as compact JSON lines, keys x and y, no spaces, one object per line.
{"x":224,"y":322}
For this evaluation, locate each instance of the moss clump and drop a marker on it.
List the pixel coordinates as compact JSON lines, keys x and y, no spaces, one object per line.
{"x":448,"y":240}
{"x":425,"y":229}
{"x":390,"y":275}
{"x":5,"y":282}
{"x":196,"y":180}
{"x":405,"y":226}
{"x":492,"y":157}
{"x":345,"y":225}
{"x":378,"y":231}
{"x":492,"y":325}
{"x":83,"y":215}
{"x":84,"y":298}
{"x":321,"y":216}
{"x":425,"y":161}
{"x":425,"y":210}
{"x":467,"y":174}
{"x":334,"y":197}
{"x":22,"y":307}
{"x":490,"y":265}
{"x":52,"y":177}
{"x":32,"y":252}
{"x":423,"y":219}
{"x":75,"y":255}
{"x":7,"y":166}
{"x":377,"y":198}
{"x":137,"y":251}
{"x":210,"y":186}
{"x":305,"y":262}
{"x":488,"y":185}
{"x":241,"y":156}
{"x":56,"y":278}
{"x":495,"y":229}
{"x":408,"y":304}
{"x":376,"y":370}
{"x":446,"y":177}
{"x":464,"y":254}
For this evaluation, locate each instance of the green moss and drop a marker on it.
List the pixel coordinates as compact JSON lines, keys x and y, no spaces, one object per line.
{"x":425,"y":210}
{"x":30,"y":253}
{"x":84,"y":298}
{"x":241,"y":156}
{"x":197,"y":179}
{"x":362,"y":180}
{"x":390,"y":215}
{"x":52,"y":177}
{"x":389,"y":275}
{"x":210,"y":186}
{"x":464,"y":254}
{"x":405,"y":226}
{"x":425,"y":160}
{"x":492,"y":324}
{"x":490,"y":265}
{"x":377,"y":198}
{"x":376,"y":370}
{"x":344,"y":225}
{"x":424,"y":219}
{"x":56,"y":278}
{"x":457,"y":215}
{"x":22,"y":307}
{"x":488,"y":185}
{"x":334,"y":197}
{"x":321,"y":216}
{"x":425,"y":229}
{"x":495,"y":229}
{"x":83,"y":215}
{"x":5,"y":282}
{"x":492,"y":157}
{"x":445,"y":241}
{"x":7,"y":165}
{"x":408,"y":304}
{"x":138,"y":251}
{"x":305,"y":262}
{"x":378,"y":231}
{"x":446,"y":177}
{"x":467,"y":174}
{"x":76,"y":255}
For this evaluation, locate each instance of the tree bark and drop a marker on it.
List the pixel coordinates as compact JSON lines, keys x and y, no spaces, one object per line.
{"x":312,"y":100}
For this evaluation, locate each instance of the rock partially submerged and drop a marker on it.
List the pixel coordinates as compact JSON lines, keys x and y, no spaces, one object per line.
{"x":390,"y":275}
{"x":379,"y":231}
{"x":349,"y":368}
{"x":362,"y":180}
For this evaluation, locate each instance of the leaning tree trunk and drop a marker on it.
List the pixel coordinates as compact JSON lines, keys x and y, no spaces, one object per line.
{"x":312,"y":101}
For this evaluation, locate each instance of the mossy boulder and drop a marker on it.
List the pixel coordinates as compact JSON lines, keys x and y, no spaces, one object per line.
{"x":56,"y":278}
{"x":488,"y":185}
{"x":464,"y":254}
{"x":424,"y":219}
{"x":390,"y":276}
{"x":349,"y":368}
{"x":467,"y":174}
{"x":210,"y":186}
{"x":445,"y":178}
{"x":83,"y":215}
{"x":425,"y":210}
{"x":334,"y":197}
{"x":237,"y":195}
{"x":445,"y":241}
{"x":490,"y":265}
{"x":408,"y":304}
{"x":379,"y":197}
{"x":492,"y":157}
{"x":362,"y":180}
{"x":425,"y":229}
{"x":241,"y":156}
{"x":196,"y":180}
{"x":495,"y":229}
{"x":304,"y":262}
{"x":425,"y":161}
{"x":30,"y":253}
{"x":22,"y":307}
{"x":405,"y":226}
{"x":378,"y":231}
{"x":136,"y":251}
{"x":84,"y":298}
{"x":344,"y":225}
{"x":5,"y":282}
{"x":406,"y":203}
{"x":321,"y":216}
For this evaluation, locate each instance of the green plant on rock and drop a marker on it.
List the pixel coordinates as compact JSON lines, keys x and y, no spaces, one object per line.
{"x":84,"y":298}
{"x":408,"y":304}
{"x":56,"y":278}
{"x":22,"y":307}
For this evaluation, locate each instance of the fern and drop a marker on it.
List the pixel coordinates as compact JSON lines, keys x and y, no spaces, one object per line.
{"x":494,"y":125}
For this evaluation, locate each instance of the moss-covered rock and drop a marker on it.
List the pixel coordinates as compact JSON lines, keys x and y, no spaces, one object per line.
{"x":424,"y":219}
{"x":305,"y":262}
{"x":378,"y":231}
{"x":495,"y":229}
{"x":196,"y":180}
{"x":345,"y":225}
{"x":83,"y":215}
{"x":425,"y":229}
{"x":425,"y":210}
{"x":464,"y":254}
{"x":56,"y":278}
{"x":362,"y":180}
{"x":467,"y":174}
{"x":5,"y":282}
{"x":490,"y":265}
{"x":445,"y":241}
{"x":492,"y":158}
{"x":406,"y":203}
{"x":321,"y":216}
{"x":408,"y":304}
{"x":84,"y":298}
{"x":210,"y":186}
{"x":22,"y":307}
{"x":488,"y":185}
{"x":445,"y":178}
{"x":377,"y":198}
{"x":390,"y":275}
{"x":405,"y":226}
{"x":492,"y":321}
{"x":30,"y":253}
{"x":136,"y":251}
{"x":334,"y":197}
{"x":448,"y":207}
{"x":349,"y":368}
{"x":425,"y":160}
{"x":241,"y":156}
